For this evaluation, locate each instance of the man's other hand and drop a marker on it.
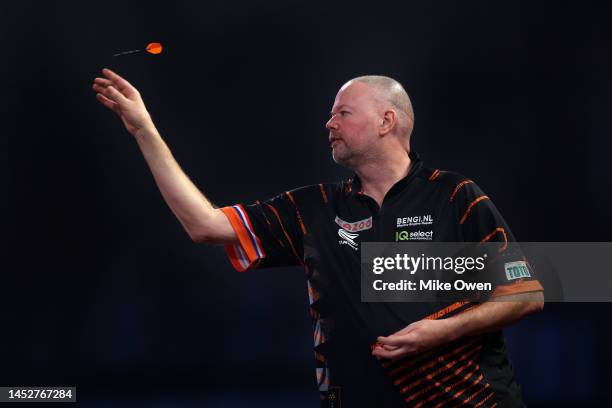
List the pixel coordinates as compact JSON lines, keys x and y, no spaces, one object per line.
{"x":415,"y":338}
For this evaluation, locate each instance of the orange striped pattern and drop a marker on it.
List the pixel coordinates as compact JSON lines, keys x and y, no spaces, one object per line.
{"x":446,"y":310}
{"x":425,"y":366}
{"x":471,"y":397}
{"x":471,"y":382}
{"x":323,"y":193}
{"x":278,"y":218}
{"x":446,"y":390}
{"x":438,"y":384}
{"x":495,"y":231}
{"x":299,"y":216}
{"x":434,"y":175}
{"x":281,"y":243}
{"x":469,"y":209}
{"x":313,"y":295}
{"x":459,"y":186}
{"x":451,"y":375}
{"x":492,"y":234}
{"x":348,"y":186}
{"x":520,"y":286}
{"x":246,"y":250}
{"x":485,"y":399}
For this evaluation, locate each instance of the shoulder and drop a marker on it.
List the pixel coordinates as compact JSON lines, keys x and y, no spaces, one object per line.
{"x":311,"y":194}
{"x":451,"y":183}
{"x":324,"y":191}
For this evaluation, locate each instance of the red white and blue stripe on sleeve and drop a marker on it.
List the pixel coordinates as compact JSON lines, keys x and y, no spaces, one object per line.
{"x":249,"y":251}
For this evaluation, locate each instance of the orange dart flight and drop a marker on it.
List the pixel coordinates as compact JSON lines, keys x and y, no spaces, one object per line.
{"x":152,"y":48}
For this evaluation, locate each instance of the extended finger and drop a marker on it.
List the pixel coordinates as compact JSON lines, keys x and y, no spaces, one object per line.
{"x":390,"y":354}
{"x":107,"y":102}
{"x":102,"y":81}
{"x":104,"y":91}
{"x":98,"y":88}
{"x":390,"y":341}
{"x":385,"y":346}
{"x":120,"y":83}
{"x":114,"y":95}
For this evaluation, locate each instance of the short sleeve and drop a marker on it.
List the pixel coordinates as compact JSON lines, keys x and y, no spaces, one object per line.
{"x":270,"y":233}
{"x":480,"y":221}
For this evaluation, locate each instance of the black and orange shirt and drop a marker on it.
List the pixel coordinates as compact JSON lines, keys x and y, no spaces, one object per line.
{"x":320,"y":227}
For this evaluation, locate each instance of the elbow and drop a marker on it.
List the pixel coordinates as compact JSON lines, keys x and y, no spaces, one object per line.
{"x":536,"y":304}
{"x":199,"y":237}
{"x":535,"y":307}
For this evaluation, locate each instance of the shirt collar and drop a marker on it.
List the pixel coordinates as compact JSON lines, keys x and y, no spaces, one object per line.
{"x":415,"y":165}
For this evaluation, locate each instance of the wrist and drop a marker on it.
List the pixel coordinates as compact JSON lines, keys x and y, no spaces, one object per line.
{"x":146,"y":131}
{"x":454,"y":329}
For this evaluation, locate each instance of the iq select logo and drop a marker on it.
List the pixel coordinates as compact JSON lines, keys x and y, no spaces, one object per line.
{"x":405,"y":235}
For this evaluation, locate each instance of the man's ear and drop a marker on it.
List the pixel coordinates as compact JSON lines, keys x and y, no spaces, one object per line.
{"x":388,"y":122}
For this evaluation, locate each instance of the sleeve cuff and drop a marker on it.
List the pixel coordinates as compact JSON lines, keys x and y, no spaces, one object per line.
{"x":517,"y":287}
{"x":248,"y":252}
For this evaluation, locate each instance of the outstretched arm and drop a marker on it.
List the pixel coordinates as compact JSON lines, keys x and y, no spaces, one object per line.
{"x":425,"y":335}
{"x":203,"y":222}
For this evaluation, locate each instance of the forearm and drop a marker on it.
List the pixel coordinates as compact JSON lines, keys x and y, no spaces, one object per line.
{"x":494,"y":315}
{"x":194,"y":211}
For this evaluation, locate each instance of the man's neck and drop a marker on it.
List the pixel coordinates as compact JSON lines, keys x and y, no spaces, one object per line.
{"x":377,"y":177}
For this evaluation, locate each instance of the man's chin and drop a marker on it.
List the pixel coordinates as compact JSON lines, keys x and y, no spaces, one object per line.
{"x":342,"y":160}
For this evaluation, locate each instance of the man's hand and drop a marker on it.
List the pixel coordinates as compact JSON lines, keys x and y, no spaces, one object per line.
{"x":415,"y":338}
{"x":425,"y":335}
{"x":121,"y":97}
{"x":202,"y":222}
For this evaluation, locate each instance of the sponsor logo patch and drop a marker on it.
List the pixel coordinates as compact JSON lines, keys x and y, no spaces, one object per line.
{"x":516,"y":270}
{"x":415,"y":220}
{"x":405,"y":235}
{"x":356,"y":226}
{"x":348,"y":239}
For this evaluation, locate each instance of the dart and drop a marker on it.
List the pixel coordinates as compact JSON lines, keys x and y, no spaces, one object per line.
{"x":152,"y":48}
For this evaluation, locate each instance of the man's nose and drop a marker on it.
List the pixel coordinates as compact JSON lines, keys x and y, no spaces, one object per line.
{"x":331,"y":123}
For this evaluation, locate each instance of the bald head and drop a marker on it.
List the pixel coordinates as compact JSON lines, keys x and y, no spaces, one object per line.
{"x":390,"y":93}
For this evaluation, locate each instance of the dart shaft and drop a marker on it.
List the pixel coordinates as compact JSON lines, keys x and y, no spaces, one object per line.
{"x":127,"y":53}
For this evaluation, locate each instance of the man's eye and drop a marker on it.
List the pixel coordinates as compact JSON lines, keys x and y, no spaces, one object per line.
{"x":344,"y":113}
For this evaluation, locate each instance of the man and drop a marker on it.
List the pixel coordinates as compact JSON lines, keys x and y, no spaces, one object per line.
{"x":367,"y":354}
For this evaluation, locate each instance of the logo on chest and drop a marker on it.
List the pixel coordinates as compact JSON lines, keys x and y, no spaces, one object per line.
{"x":415,"y":220}
{"x":356,"y":226}
{"x":348,"y":231}
{"x":405,"y":235}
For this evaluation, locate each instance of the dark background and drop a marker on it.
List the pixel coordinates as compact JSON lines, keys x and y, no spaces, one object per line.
{"x":102,"y":289}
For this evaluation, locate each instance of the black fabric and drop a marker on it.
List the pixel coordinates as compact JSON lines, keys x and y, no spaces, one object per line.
{"x":304,"y":226}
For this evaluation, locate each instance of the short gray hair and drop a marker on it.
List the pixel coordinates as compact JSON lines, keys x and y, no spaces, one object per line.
{"x":394,"y":93}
